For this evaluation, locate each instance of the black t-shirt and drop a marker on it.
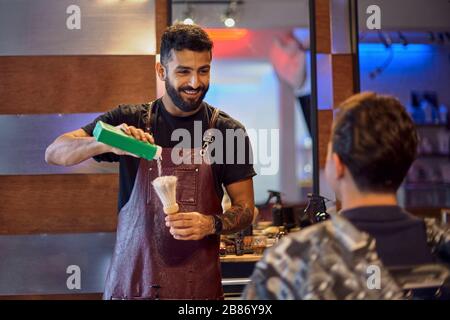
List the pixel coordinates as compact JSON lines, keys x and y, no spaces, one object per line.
{"x":401,"y":238}
{"x":165,"y":124}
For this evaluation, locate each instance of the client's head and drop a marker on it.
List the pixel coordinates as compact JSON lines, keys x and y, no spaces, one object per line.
{"x":373,"y":143}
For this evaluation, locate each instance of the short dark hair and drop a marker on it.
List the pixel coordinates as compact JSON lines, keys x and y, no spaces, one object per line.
{"x":376,"y":139}
{"x":184,"y":36}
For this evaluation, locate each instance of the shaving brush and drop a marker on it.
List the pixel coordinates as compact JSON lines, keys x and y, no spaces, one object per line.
{"x":166,"y":189}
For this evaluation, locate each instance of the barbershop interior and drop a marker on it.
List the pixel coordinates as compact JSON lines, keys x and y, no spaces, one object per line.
{"x":324,"y":89}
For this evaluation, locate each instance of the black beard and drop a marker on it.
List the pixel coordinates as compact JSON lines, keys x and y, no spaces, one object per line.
{"x":179,"y":102}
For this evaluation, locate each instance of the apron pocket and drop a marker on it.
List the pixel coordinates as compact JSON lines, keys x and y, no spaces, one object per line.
{"x":187,"y":185}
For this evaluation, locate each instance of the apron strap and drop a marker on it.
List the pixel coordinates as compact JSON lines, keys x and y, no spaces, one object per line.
{"x":208,"y":137}
{"x":148,"y":121}
{"x":214,"y":117}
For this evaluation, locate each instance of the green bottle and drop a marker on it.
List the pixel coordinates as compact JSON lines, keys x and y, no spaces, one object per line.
{"x":116,"y":138}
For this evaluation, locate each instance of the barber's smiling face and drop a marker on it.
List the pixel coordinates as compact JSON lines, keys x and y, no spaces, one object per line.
{"x":187,"y":80}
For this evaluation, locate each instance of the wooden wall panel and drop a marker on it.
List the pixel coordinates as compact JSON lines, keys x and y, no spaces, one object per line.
{"x":58,"y":203}
{"x":162,"y":20}
{"x":74,"y":84}
{"x":34,"y":204}
{"x":325,"y":118}
{"x":342,"y":73}
{"x":323,"y":26}
{"x":69,"y":84}
{"x":343,"y":87}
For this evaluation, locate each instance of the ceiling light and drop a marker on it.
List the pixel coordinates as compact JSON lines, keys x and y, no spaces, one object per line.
{"x":188,"y":21}
{"x":229,"y":22}
{"x":188,"y":17}
{"x":228,"y":17}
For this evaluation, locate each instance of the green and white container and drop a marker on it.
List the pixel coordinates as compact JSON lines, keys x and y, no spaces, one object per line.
{"x":116,"y":138}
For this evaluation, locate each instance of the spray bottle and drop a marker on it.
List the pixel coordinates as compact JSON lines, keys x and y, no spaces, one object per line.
{"x":315,"y":211}
{"x":277,"y":213}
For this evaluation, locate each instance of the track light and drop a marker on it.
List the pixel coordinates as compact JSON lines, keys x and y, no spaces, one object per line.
{"x":228,"y":17}
{"x":431,"y":36}
{"x":188,"y":21}
{"x":441,"y":38}
{"x":229,"y":22}
{"x":385,"y":39}
{"x":403,"y":39}
{"x":188,"y":17}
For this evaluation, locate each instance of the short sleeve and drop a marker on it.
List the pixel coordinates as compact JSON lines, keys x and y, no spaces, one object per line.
{"x":113,"y":117}
{"x":241,"y":166}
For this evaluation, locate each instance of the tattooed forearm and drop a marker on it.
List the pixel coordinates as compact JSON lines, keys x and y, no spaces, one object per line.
{"x":237,"y":218}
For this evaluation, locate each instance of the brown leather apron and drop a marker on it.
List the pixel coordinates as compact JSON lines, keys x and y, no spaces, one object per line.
{"x":148,"y":263}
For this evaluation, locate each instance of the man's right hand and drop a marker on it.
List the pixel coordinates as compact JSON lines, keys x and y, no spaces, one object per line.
{"x":76,"y":146}
{"x":137,"y":133}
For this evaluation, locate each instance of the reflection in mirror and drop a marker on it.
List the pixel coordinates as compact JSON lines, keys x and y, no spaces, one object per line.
{"x":409,"y":58}
{"x":260,"y":76}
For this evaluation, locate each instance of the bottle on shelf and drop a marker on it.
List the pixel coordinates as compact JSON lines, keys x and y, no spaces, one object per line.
{"x":239,"y":243}
{"x":415,"y":109}
{"x":443,"y":114}
{"x":430,"y":107}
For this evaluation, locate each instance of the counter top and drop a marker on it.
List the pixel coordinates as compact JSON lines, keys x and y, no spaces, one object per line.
{"x":243,"y":258}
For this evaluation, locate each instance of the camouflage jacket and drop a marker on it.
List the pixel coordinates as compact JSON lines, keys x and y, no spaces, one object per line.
{"x":330,"y":260}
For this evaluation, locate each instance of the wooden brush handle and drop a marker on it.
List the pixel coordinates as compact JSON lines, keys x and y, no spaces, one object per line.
{"x":172,"y":209}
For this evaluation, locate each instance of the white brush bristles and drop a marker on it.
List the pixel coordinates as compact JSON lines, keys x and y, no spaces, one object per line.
{"x":166,"y":189}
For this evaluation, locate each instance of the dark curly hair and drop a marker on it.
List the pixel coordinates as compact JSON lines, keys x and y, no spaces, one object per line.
{"x":376,"y":139}
{"x":181,"y":36}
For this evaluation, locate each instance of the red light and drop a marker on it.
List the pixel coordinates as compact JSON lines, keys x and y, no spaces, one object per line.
{"x":226,"y":34}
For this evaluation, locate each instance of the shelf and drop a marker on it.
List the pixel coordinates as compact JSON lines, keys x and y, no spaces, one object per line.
{"x":431,"y":125}
{"x":425,"y":185}
{"x":243,"y":258}
{"x":433,"y":155}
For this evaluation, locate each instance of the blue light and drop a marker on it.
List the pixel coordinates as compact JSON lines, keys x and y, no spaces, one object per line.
{"x":404,"y":58}
{"x":397,"y":47}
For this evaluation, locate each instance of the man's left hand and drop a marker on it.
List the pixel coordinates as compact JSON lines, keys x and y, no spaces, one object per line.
{"x":190,"y":225}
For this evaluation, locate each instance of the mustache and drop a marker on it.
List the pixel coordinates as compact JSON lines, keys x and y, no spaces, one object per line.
{"x":201,"y":88}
